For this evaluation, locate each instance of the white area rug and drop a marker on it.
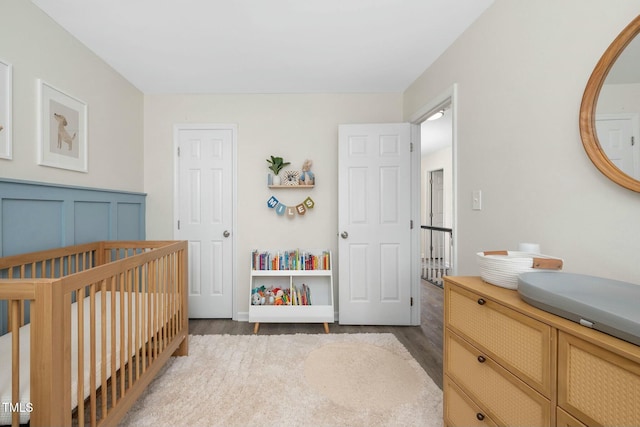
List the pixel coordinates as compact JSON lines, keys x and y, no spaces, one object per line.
{"x":291,"y":380}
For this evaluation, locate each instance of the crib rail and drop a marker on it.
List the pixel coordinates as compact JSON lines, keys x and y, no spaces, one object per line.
{"x":107,"y":329}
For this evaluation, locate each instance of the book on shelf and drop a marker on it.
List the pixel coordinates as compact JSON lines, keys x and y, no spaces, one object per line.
{"x":290,"y":260}
{"x":301,"y":295}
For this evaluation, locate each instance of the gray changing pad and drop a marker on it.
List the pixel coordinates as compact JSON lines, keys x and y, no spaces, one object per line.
{"x":609,"y":306}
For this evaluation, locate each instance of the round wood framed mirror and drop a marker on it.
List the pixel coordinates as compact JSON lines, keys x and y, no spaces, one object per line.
{"x":588,"y":131}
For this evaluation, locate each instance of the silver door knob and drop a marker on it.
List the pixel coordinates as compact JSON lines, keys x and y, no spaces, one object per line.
{"x":344,"y":234}
{"x":226,"y":233}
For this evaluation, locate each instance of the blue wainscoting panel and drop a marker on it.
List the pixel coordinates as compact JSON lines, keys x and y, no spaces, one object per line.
{"x":127,"y":227}
{"x":43,"y":220}
{"x":36,"y":216}
{"x":92,"y":221}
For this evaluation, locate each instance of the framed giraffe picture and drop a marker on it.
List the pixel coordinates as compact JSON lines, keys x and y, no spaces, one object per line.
{"x":62,"y":129}
{"x":6,"y":83}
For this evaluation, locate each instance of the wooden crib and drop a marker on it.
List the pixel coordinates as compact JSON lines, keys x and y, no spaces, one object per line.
{"x":100,"y":319}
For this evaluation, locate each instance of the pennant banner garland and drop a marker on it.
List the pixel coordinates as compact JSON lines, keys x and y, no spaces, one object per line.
{"x":290,"y":211}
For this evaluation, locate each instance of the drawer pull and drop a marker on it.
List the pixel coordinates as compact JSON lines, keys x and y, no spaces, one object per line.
{"x":480,"y":416}
{"x":481,"y":359}
{"x":481,"y":301}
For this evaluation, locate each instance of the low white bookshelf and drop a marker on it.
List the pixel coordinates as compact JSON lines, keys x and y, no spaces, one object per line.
{"x":307,"y":284}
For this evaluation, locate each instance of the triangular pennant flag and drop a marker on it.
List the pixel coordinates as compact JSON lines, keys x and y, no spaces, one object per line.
{"x":272,"y":202}
{"x":309,"y":203}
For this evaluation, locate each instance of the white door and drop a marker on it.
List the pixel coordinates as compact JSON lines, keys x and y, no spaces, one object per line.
{"x":204,"y":206}
{"x":374,"y":222}
{"x":616,"y":139}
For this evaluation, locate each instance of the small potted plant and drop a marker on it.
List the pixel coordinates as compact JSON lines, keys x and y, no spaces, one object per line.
{"x":276,"y":164}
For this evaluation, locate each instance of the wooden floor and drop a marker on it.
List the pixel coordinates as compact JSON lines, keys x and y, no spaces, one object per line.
{"x":424,"y":342}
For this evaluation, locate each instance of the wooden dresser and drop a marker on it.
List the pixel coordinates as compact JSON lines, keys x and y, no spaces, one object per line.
{"x":509,"y":363}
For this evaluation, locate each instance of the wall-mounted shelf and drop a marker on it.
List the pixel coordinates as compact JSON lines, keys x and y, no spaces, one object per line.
{"x":291,"y":186}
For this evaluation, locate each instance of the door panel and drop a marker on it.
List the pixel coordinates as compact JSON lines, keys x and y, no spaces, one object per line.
{"x":205,"y":217}
{"x":374,"y":220}
{"x":616,"y":136}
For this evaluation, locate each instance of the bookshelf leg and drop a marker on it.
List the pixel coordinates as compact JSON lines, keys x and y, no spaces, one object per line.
{"x":326,"y":328}
{"x":256,"y":327}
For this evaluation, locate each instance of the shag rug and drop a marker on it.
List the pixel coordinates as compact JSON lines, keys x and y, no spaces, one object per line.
{"x":291,"y":380}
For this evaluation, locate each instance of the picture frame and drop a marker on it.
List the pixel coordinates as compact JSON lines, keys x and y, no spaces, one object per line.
{"x":62,"y":129}
{"x":6,"y":104}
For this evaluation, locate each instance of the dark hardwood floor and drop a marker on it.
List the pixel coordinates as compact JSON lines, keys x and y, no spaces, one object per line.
{"x":424,"y":342}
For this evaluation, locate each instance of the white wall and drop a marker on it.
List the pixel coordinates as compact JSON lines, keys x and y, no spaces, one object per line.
{"x":38,"y":48}
{"x":293,"y":126}
{"x":521,"y":70}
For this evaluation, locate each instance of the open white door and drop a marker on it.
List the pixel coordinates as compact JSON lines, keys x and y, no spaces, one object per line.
{"x":204,"y":209}
{"x":374,"y":222}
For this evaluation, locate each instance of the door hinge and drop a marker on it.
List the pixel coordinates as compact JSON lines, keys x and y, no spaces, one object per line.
{"x":178,"y":151}
{"x":633,"y":141}
{"x":411,"y":299}
{"x":411,"y":224}
{"x":178,"y":224}
{"x":411,"y":147}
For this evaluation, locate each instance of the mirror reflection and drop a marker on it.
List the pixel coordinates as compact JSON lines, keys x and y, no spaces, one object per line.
{"x":617,"y":118}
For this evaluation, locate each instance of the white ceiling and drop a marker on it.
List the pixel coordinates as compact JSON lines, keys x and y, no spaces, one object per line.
{"x":266,"y":46}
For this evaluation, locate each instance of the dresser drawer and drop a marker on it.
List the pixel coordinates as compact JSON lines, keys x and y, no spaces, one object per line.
{"x":503,"y":397}
{"x":459,"y":409}
{"x":518,"y":342}
{"x":597,"y":386}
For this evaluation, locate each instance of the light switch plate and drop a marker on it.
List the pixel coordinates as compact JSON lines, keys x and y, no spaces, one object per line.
{"x":476,"y":200}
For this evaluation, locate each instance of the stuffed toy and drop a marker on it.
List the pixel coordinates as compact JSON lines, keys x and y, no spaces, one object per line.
{"x":307,"y":177}
{"x":255,"y":299}
{"x":278,"y":297}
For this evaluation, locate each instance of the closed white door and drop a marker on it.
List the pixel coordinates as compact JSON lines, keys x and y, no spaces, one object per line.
{"x":374,"y":219}
{"x":616,"y":138}
{"x":204,"y":206}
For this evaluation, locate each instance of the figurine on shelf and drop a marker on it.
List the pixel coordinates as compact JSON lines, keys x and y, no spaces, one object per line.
{"x":307,"y":177}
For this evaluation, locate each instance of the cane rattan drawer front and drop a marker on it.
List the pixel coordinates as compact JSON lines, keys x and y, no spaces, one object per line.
{"x":596,"y":386}
{"x":518,"y":342}
{"x":459,"y":409}
{"x":500,"y":395}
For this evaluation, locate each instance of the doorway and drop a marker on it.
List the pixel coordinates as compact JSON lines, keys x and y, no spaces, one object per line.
{"x":438,"y":160}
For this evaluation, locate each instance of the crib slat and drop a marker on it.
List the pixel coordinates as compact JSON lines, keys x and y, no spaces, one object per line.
{"x":80,"y":353}
{"x":114,"y":389}
{"x":122,"y":337}
{"x":103,"y":346}
{"x":144,"y":315}
{"x":14,"y":312}
{"x":92,"y":355}
{"x":156,"y":322}
{"x":129,"y":352}
{"x":137,"y":320}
